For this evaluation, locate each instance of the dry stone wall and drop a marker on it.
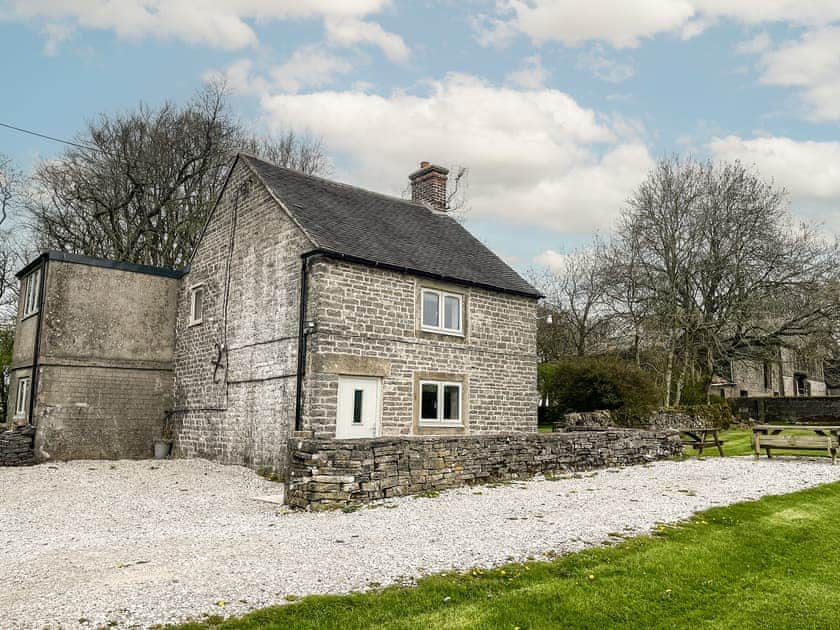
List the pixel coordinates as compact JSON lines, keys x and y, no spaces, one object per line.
{"x":325,"y":474}
{"x":16,"y":448}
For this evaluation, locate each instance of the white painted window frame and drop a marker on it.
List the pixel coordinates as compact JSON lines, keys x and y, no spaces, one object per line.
{"x":439,"y":421}
{"x":24,"y":389}
{"x":31,"y":293}
{"x":439,"y":329}
{"x":196,"y":288}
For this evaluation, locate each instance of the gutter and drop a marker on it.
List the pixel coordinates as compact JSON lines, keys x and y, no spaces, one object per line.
{"x":302,"y":332}
{"x":104,"y":263}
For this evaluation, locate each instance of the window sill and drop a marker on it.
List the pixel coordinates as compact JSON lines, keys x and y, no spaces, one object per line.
{"x":434,"y":424}
{"x":198,"y":323}
{"x":29,"y":316}
{"x":442,"y":331}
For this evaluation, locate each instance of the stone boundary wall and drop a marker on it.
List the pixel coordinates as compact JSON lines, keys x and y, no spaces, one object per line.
{"x":16,"y":448}
{"x":675,"y":419}
{"x":788,"y":408}
{"x":325,"y":474}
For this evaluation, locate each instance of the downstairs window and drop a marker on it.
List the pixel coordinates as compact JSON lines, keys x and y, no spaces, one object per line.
{"x":440,"y":404}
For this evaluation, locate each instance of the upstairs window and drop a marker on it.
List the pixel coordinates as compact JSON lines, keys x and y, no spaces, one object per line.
{"x":31,"y":290}
{"x":442,"y":312}
{"x":440,"y":404}
{"x":196,"y":304}
{"x":23,"y":388}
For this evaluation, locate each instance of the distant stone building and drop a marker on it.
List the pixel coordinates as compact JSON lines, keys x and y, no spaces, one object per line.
{"x":309,"y":308}
{"x":791,"y":373}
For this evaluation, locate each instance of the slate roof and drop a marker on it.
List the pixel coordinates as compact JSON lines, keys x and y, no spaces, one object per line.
{"x":377,"y":229}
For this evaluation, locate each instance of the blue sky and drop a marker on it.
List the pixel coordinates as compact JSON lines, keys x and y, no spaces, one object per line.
{"x":558,"y":108}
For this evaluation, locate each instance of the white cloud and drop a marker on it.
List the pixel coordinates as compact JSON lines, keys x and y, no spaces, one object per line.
{"x":605,"y":68}
{"x":55,"y":35}
{"x":811,"y":63}
{"x":531,"y":75}
{"x":211,"y":22}
{"x":623,"y":23}
{"x":552,"y":259}
{"x":309,"y":66}
{"x":618,"y":22}
{"x":239,"y":77}
{"x":536,"y":157}
{"x":756,"y":45}
{"x":351,"y":31}
{"x":809,"y":170}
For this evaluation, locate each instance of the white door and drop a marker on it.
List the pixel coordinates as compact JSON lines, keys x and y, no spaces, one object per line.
{"x":358,"y":407}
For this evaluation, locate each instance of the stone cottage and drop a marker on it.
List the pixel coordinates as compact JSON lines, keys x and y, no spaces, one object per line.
{"x":309,"y":308}
{"x":789,"y":372}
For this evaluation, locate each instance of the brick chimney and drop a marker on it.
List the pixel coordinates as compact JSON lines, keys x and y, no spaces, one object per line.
{"x":428,"y":185}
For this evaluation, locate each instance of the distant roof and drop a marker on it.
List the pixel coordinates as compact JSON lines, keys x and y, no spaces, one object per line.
{"x":101,"y":262}
{"x":376,"y":229}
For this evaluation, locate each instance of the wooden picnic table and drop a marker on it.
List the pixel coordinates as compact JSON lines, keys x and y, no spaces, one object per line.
{"x":698,"y":439}
{"x":767,"y":436}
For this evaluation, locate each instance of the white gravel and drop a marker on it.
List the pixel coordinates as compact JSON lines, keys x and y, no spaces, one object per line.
{"x":141,"y":542}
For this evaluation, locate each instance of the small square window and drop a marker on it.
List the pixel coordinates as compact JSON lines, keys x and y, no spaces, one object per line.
{"x":451,"y":403}
{"x":196,"y":305}
{"x":431,"y":309}
{"x":429,"y":401}
{"x":452,"y":313}
{"x":31,"y":290}
{"x":442,"y":312}
{"x":22,"y":399}
{"x":440,"y":404}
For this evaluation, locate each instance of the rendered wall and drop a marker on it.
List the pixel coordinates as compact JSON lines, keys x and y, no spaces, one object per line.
{"x":105,"y":364}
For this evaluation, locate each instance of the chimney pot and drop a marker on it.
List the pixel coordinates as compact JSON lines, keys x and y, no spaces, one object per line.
{"x":428,"y":185}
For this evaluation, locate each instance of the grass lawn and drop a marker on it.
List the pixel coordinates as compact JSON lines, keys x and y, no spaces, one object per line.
{"x":765,"y":564}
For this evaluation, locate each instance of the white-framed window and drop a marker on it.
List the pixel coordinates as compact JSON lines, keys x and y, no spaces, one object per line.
{"x":31,"y":292}
{"x":441,"y":404}
{"x":22,"y":399}
{"x":442,"y":312}
{"x":196,"y":304}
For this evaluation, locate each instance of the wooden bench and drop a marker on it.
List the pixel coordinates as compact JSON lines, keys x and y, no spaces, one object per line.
{"x":767,"y":437}
{"x":698,"y":439}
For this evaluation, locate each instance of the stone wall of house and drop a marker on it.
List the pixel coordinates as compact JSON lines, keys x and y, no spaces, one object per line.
{"x":235,"y":372}
{"x":332,"y":473}
{"x":788,"y":409}
{"x":675,"y":419}
{"x":16,"y":448}
{"x":368,"y":324}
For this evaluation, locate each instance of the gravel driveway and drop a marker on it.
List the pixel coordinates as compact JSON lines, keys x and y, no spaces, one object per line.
{"x":140,"y":542}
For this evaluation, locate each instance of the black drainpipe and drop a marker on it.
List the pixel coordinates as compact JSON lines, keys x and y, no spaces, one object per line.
{"x":301,"y":354}
{"x":33,"y":387}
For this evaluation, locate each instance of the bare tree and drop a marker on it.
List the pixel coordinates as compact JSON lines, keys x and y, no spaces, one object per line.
{"x":708,"y":261}
{"x":140,"y":185}
{"x":575,"y":297}
{"x":12,"y":184}
{"x":304,"y":153}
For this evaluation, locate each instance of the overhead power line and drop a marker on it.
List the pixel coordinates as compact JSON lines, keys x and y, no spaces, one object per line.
{"x":53,"y":138}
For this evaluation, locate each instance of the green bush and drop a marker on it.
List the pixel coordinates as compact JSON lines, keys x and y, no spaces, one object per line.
{"x":592,"y":383}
